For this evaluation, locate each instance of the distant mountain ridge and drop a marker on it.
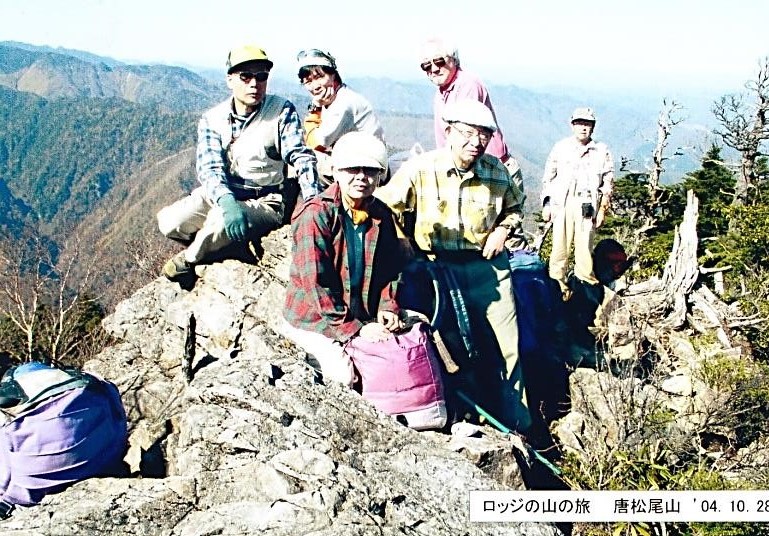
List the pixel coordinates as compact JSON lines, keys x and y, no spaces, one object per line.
{"x":55,"y":75}
{"x":61,"y":157}
{"x":531,"y":121}
{"x":142,"y":101}
{"x":80,"y":54}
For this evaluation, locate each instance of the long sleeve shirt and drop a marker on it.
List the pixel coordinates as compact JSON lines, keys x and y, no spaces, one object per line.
{"x":466,"y":86}
{"x":214,"y":139}
{"x":573,"y":168}
{"x":318,"y":297}
{"x":350,"y":112}
{"x":452,"y":210}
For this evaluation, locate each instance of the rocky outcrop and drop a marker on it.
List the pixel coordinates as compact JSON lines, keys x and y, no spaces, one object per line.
{"x":674,"y":388}
{"x":255,"y":442}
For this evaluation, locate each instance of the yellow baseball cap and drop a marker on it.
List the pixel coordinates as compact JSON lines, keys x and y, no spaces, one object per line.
{"x":245,"y":53}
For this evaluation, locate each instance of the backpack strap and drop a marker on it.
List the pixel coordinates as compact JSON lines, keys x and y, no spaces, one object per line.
{"x":446,"y":285}
{"x":76,"y":379}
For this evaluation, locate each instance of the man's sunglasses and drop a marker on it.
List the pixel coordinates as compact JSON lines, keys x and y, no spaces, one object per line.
{"x":246,"y":76}
{"x":438,"y":62}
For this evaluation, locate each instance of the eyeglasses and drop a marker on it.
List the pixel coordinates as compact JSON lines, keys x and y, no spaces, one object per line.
{"x":369,"y":172}
{"x":246,"y":76}
{"x":438,"y":62}
{"x":483,"y":135}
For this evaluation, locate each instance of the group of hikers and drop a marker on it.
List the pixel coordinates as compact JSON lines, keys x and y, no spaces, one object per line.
{"x":409,"y":285}
{"x":359,"y":227}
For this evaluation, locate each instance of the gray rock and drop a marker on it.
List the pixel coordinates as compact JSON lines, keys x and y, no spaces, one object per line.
{"x":254,"y":444}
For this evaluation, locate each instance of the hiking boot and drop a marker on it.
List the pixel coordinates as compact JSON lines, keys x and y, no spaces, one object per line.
{"x":177,"y":268}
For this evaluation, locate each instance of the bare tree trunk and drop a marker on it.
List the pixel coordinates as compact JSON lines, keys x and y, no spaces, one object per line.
{"x":44,"y":298}
{"x":682,"y":269}
{"x":665,"y":122}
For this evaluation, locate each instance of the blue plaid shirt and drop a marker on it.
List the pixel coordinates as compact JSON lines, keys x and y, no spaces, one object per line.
{"x":211,"y":154}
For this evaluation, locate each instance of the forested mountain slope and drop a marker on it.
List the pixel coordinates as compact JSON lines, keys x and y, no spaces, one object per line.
{"x":61,"y":157}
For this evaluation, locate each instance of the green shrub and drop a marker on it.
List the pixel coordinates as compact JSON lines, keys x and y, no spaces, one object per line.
{"x":744,"y":383}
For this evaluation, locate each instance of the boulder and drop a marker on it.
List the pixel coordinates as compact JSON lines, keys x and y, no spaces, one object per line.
{"x":256,"y":442}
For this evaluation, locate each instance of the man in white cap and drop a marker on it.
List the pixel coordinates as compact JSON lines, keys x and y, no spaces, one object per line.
{"x":440,"y":62}
{"x":576,"y":192}
{"x":346,"y":256}
{"x":243,"y":146}
{"x":464,"y":203}
{"x":335,"y":109}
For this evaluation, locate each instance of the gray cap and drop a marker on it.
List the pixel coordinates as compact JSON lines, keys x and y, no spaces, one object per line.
{"x":359,"y":149}
{"x":469,"y":112}
{"x":314,"y":56}
{"x":584,"y":113}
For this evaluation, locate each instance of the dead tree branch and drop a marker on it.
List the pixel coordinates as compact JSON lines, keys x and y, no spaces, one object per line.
{"x":744,"y":127}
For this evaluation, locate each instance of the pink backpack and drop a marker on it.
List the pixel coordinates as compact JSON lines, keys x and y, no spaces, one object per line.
{"x":401,"y":376}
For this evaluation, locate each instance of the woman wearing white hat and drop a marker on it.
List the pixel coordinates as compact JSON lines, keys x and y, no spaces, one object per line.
{"x":346,"y":257}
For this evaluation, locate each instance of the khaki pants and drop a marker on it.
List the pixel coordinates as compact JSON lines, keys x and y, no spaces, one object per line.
{"x":194,"y":218}
{"x":486,"y":287}
{"x":570,"y":228}
{"x":334,"y":363}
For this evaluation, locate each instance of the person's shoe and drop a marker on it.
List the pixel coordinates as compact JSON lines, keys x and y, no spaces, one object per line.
{"x":177,"y":268}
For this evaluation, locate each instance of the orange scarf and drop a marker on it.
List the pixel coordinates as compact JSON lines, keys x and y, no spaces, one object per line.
{"x":358,"y":215}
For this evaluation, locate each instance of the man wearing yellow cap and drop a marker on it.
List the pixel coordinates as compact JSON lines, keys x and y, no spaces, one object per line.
{"x":576,"y":190}
{"x":243,"y":145}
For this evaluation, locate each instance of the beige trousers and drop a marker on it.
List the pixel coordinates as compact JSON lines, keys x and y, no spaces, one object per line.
{"x":194,"y":218}
{"x":571,"y":229}
{"x":334,"y":363}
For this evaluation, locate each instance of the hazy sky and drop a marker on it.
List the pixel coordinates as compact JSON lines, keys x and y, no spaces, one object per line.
{"x":660,"y":44}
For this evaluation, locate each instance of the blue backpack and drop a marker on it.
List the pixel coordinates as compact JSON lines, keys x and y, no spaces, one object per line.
{"x":542,"y":332}
{"x":540,"y":310}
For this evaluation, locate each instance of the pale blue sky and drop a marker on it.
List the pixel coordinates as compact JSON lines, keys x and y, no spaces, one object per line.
{"x":667,"y":45}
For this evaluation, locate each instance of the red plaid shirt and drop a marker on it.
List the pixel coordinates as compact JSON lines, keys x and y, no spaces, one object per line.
{"x":318,"y":294}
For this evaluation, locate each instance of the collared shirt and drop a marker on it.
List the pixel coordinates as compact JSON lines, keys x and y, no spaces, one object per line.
{"x":573,"y":168}
{"x":318,"y":297}
{"x":453,"y":210}
{"x":211,"y":158}
{"x":466,"y":86}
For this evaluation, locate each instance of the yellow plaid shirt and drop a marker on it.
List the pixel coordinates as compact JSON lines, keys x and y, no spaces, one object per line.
{"x":453,"y":212}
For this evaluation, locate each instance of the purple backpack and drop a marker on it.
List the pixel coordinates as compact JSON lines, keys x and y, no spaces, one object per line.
{"x":57,"y":427}
{"x":401,"y":376}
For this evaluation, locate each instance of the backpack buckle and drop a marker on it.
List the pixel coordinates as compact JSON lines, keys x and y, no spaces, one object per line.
{"x":6,"y":509}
